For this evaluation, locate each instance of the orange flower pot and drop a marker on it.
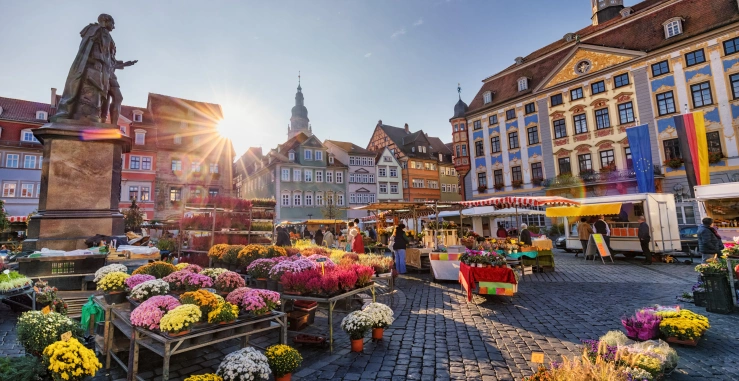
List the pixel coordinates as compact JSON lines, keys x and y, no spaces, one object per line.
{"x":357,"y":345}
{"x":377,"y":333}
{"x":284,"y":378}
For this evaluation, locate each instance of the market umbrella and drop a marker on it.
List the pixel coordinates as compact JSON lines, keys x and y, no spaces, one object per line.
{"x":522,"y":202}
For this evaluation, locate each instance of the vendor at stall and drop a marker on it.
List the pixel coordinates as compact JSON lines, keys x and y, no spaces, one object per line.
{"x":525,"y":235}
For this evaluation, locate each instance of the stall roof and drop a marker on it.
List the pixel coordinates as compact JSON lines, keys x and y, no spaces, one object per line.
{"x":491,"y":211}
{"x":585,"y":210}
{"x":716,"y":191}
{"x":313,"y":222}
{"x":520,"y":202}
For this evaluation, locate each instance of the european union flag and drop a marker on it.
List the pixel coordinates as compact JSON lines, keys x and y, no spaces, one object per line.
{"x":641,"y":155}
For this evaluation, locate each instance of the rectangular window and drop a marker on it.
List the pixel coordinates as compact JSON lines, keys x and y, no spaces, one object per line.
{"x":29,"y":137}
{"x":393,"y":171}
{"x":479,"y":149}
{"x":476,"y":125}
{"x":175,"y":194}
{"x":498,"y":176}
{"x":493,"y":120}
{"x":629,"y":160}
{"x":621,"y":80}
{"x":560,"y":129}
{"x":353,"y":198}
{"x":285,"y":199}
{"x":513,"y":140}
{"x":135,"y":163}
{"x":285,"y":174}
{"x":133,"y":193}
{"x":176,"y":165}
{"x":482,"y":180}
{"x":626,"y":113}
{"x":660,"y":68}
{"x":11,"y":160}
{"x":319,"y":155}
{"x":383,"y":188}
{"x":536,"y":171}
{"x":495,"y":144}
{"x":602,"y":120}
{"x":606,"y":158}
{"x":352,"y":160}
{"x":297,"y":175}
{"x":581,"y":124}
{"x":140,"y":138}
{"x":530,"y":108}
{"x":339,"y":177}
{"x":701,"y":94}
{"x":598,"y":87}
{"x":418,"y":183}
{"x":297,"y":199}
{"x":26,"y":190}
{"x":731,"y":46}
{"x":734,"y":78}
{"x":319,"y":199}
{"x":672,"y":149}
{"x":405,"y":184}
{"x":585,"y":162}
{"x":382,"y":172}
{"x":393,"y":188}
{"x":146,"y":163}
{"x":533,"y":133}
{"x":576,"y":94}
{"x":308,"y":199}
{"x":145,"y":193}
{"x":308,"y":155}
{"x":329,"y":176}
{"x":516,"y":174}
{"x":213,"y":168}
{"x":464,"y":149}
{"x":195,"y":167}
{"x":9,"y":189}
{"x":510,"y":114}
{"x":433,"y":184}
{"x":29,"y":161}
{"x":694,"y":58}
{"x":713,"y":139}
{"x":340,"y":199}
{"x":665,"y":103}
{"x":319,"y":176}
{"x":308,"y":175}
{"x":556,"y":100}
{"x":564,"y":166}
{"x":371,"y":179}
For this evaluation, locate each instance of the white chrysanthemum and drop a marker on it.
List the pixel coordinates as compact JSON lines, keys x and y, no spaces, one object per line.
{"x":380,"y":314}
{"x":149,"y":288}
{"x":246,"y":364}
{"x":105,"y":270}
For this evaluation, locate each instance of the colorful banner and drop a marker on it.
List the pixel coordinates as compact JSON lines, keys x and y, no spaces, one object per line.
{"x":691,"y":130}
{"x":641,"y":156}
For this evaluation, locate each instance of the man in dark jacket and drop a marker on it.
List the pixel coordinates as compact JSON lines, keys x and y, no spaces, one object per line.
{"x":709,"y":243}
{"x":602,"y":228}
{"x":644,"y":238}
{"x":283,"y":239}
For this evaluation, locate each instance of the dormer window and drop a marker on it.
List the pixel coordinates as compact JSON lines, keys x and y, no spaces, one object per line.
{"x":413,"y":149}
{"x":27,"y":136}
{"x":523,"y":84}
{"x":41,"y":115}
{"x":441,"y":157}
{"x":673,"y":27}
{"x":138,"y":116}
{"x":177,"y":139}
{"x":318,"y":155}
{"x":140,"y":137}
{"x":291,"y":156}
{"x":330,"y":159}
{"x":487,"y":97}
{"x":308,"y":154}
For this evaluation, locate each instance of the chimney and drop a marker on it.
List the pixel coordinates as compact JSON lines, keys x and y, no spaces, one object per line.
{"x":426,"y":133}
{"x":53,"y":97}
{"x":379,"y":122}
{"x":407,"y":130}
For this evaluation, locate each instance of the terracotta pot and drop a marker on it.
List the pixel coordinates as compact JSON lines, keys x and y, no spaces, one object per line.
{"x":226,"y":322}
{"x":115,"y":297}
{"x":261,"y":283}
{"x":284,"y":378}
{"x":377,"y":333}
{"x":181,"y":333}
{"x":357,"y":345}
{"x":675,"y":340}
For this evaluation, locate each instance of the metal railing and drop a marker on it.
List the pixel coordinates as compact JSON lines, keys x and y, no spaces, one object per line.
{"x":620,"y":175}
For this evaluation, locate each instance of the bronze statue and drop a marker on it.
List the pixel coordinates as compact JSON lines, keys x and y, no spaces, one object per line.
{"x":91,"y":78}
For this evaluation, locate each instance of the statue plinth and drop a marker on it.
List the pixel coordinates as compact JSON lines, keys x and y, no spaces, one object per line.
{"x":80,"y":184}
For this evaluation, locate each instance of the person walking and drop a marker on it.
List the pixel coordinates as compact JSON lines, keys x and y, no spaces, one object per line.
{"x":602,"y":228}
{"x":525,"y":235}
{"x":318,"y":236}
{"x":584,"y":230}
{"x":399,"y":245}
{"x":709,"y":242}
{"x":283,"y":238}
{"x":644,"y":238}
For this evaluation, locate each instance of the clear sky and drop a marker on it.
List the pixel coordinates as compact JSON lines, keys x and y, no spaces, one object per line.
{"x":361,"y":61}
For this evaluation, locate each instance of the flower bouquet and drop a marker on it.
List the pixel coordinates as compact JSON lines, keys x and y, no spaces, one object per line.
{"x":356,"y":324}
{"x":179,"y":321}
{"x":213,"y":273}
{"x":105,"y":270}
{"x":137,"y":279}
{"x":283,"y":360}
{"x":204,"y":377}
{"x":381,"y":317}
{"x":158,"y":269}
{"x":237,"y":296}
{"x":113,"y":286}
{"x":206,"y":301}
{"x":37,"y":330}
{"x":223,"y":314}
{"x":244,"y":365}
{"x":70,"y":360}
{"x":229,"y":281}
{"x":149,"y":313}
{"x":643,"y":326}
{"x":149,"y":289}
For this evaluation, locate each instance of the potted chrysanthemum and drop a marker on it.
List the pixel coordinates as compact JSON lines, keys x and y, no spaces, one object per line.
{"x":148,"y":289}
{"x":225,"y":313}
{"x":228,"y":281}
{"x":283,"y":360}
{"x":179,"y":321}
{"x":70,"y":360}
{"x":356,"y":324}
{"x":244,"y":364}
{"x":113,"y":286}
{"x":381,"y":316}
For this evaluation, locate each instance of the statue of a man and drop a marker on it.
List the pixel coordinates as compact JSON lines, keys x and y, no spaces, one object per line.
{"x":88,"y":80}
{"x":114,"y":98}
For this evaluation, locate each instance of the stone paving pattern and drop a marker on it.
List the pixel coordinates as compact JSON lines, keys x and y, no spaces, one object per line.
{"x":438,"y":335}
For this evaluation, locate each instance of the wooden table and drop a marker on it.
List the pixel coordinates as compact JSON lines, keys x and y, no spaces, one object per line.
{"x":331,"y":304}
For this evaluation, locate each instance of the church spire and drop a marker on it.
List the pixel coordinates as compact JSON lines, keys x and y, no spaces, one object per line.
{"x":299,"y":120}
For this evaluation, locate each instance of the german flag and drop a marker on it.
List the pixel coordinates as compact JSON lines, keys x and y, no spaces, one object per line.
{"x":691,"y":129}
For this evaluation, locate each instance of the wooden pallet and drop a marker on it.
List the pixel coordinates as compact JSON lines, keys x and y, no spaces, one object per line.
{"x":75,"y":300}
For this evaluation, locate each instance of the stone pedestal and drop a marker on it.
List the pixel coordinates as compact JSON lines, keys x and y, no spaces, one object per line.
{"x":80,"y":184}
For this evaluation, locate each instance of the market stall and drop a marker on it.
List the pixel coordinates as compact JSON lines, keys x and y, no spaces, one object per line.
{"x":488,"y":280}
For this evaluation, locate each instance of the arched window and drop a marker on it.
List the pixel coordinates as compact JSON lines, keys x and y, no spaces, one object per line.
{"x":297,"y":198}
{"x":285,"y":200}
{"x":673,"y":27}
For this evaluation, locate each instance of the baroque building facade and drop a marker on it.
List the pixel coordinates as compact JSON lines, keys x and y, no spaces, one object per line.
{"x":554,"y":122}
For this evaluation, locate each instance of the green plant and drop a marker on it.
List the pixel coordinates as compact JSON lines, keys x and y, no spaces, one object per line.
{"x":715,"y":157}
{"x":675,"y":162}
{"x":158,"y":269}
{"x":26,"y":368}
{"x":133,"y":216}
{"x":167,"y":244}
{"x":37,"y":330}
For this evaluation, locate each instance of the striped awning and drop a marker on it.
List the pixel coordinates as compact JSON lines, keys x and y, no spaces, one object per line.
{"x":520,"y":202}
{"x":607,"y":209}
{"x":13,"y":219}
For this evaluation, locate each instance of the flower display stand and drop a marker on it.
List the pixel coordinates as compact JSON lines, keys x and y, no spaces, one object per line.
{"x":331,"y":305}
{"x":444,"y":266}
{"x":487,"y":281}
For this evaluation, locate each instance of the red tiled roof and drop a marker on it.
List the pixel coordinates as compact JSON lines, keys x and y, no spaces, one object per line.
{"x":645,"y":34}
{"x":350,"y":147}
{"x":204,"y":111}
{"x":23,"y":111}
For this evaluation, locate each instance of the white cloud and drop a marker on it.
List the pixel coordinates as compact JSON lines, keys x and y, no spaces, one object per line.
{"x":367,"y":55}
{"x":398,"y":33}
{"x":418,"y":23}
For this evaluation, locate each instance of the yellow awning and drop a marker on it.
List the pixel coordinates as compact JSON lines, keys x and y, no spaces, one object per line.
{"x":585,"y":210}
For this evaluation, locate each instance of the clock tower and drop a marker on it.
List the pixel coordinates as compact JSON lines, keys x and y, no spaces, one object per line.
{"x":604,"y":10}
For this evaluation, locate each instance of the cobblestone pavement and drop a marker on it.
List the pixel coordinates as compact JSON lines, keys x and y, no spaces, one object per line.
{"x":438,"y":335}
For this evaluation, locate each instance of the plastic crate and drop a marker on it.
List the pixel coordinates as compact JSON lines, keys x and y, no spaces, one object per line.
{"x":60,"y":266}
{"x":718,"y":294}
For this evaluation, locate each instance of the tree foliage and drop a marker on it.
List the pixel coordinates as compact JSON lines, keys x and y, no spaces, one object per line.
{"x":133,"y":216}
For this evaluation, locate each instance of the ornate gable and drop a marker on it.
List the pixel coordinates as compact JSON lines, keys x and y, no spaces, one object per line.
{"x":587,"y":59}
